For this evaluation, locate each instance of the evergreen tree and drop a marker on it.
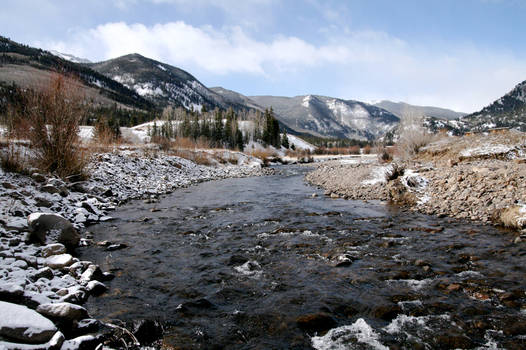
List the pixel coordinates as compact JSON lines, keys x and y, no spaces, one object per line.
{"x":239,"y":139}
{"x":285,"y":139}
{"x":217,"y":134}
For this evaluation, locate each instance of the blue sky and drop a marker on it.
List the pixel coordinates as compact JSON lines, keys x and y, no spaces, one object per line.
{"x":459,"y":54}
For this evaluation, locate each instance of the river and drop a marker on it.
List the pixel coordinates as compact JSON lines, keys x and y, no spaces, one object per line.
{"x":261,"y":263}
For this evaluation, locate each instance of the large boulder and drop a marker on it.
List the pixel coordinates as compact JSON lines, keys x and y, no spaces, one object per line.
{"x":50,"y":227}
{"x":63,"y":311}
{"x":22,"y":324}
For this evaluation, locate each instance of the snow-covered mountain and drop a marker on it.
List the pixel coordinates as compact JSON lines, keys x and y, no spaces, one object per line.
{"x":330,"y":117}
{"x":507,"y":111}
{"x":71,"y":58}
{"x":401,"y":108}
{"x":161,"y":83}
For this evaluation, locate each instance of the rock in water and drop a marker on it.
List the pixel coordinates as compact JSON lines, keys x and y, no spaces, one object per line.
{"x":63,"y":311}
{"x":54,"y":225}
{"x":23,"y":324}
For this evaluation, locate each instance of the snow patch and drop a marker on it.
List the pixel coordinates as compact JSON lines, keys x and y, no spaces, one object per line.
{"x":378,"y":175}
{"x":486,"y":150}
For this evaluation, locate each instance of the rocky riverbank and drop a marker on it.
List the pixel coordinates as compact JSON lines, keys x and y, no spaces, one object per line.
{"x":42,"y":220}
{"x":475,"y":178}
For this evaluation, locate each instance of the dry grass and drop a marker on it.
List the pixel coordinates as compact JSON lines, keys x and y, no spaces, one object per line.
{"x":14,"y":158}
{"x":263,"y":154}
{"x":513,"y":217}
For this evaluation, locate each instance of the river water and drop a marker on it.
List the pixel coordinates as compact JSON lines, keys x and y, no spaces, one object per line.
{"x":259,"y":263}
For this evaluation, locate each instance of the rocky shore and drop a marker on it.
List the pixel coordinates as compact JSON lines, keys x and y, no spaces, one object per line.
{"x":42,"y":284}
{"x":483,"y":183}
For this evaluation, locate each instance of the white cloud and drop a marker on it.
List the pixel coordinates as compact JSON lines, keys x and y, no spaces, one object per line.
{"x":367,"y":64}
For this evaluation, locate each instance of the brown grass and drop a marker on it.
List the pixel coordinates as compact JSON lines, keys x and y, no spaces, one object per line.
{"x":512,"y":217}
{"x":14,"y":159}
{"x":263,"y":154}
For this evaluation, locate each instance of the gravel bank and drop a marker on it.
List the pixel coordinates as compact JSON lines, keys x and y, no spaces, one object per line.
{"x":483,"y":182}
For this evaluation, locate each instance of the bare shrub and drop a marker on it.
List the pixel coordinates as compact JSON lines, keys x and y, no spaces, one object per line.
{"x":413,"y":135}
{"x":367,"y":149}
{"x":51,"y":119}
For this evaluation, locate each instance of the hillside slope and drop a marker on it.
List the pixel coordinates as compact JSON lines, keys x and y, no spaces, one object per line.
{"x":162,"y":83}
{"x":30,"y":67}
{"x":330,"y":117}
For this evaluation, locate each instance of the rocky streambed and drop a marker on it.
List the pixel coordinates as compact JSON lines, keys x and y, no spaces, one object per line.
{"x":42,"y":282}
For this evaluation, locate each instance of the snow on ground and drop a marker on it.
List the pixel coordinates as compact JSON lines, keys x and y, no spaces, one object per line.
{"x":299,"y":143}
{"x":86,"y":132}
{"x":378,"y":175}
{"x":486,"y":150}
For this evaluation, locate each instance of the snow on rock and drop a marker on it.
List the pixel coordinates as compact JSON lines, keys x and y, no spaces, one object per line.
{"x":54,"y":343}
{"x":59,"y":261}
{"x":63,"y":311}
{"x":346,"y":336}
{"x":56,"y":226}
{"x":23,"y":324}
{"x":53,"y":249}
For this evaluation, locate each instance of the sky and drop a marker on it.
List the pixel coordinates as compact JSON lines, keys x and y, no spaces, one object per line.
{"x":457,"y":54}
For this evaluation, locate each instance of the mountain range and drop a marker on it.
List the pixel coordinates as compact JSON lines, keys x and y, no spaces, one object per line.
{"x":134,"y":81}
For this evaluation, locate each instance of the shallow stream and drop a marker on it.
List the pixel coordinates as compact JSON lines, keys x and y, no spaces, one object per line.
{"x":259,"y":263}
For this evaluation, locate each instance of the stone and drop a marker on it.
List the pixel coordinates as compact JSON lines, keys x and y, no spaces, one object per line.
{"x":23,"y":324}
{"x":53,"y":249}
{"x":59,"y":261}
{"x":59,"y":229}
{"x":63,"y":311}
{"x":96,"y":288}
{"x":38,"y":177}
{"x":17,"y":224}
{"x":44,"y":272}
{"x":93,"y":272}
{"x":317,"y":322}
{"x":49,"y":189}
{"x":43,"y":202}
{"x":8,"y":185}
{"x":83,"y":342}
{"x":387,"y":312}
{"x":147,"y":331}
{"x":117,"y":246}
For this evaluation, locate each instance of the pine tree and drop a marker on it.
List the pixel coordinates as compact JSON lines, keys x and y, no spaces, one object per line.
{"x":285,"y":139}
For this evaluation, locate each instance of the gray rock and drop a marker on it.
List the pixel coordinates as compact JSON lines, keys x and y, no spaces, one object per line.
{"x":53,"y":249}
{"x":63,"y":311}
{"x":49,"y":189}
{"x":23,"y":324}
{"x":59,"y":261}
{"x":93,"y":272}
{"x":17,"y":224}
{"x":54,"y":343}
{"x":96,"y":287}
{"x":43,"y":202}
{"x":38,"y":177}
{"x":44,"y":272}
{"x":59,"y":229}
